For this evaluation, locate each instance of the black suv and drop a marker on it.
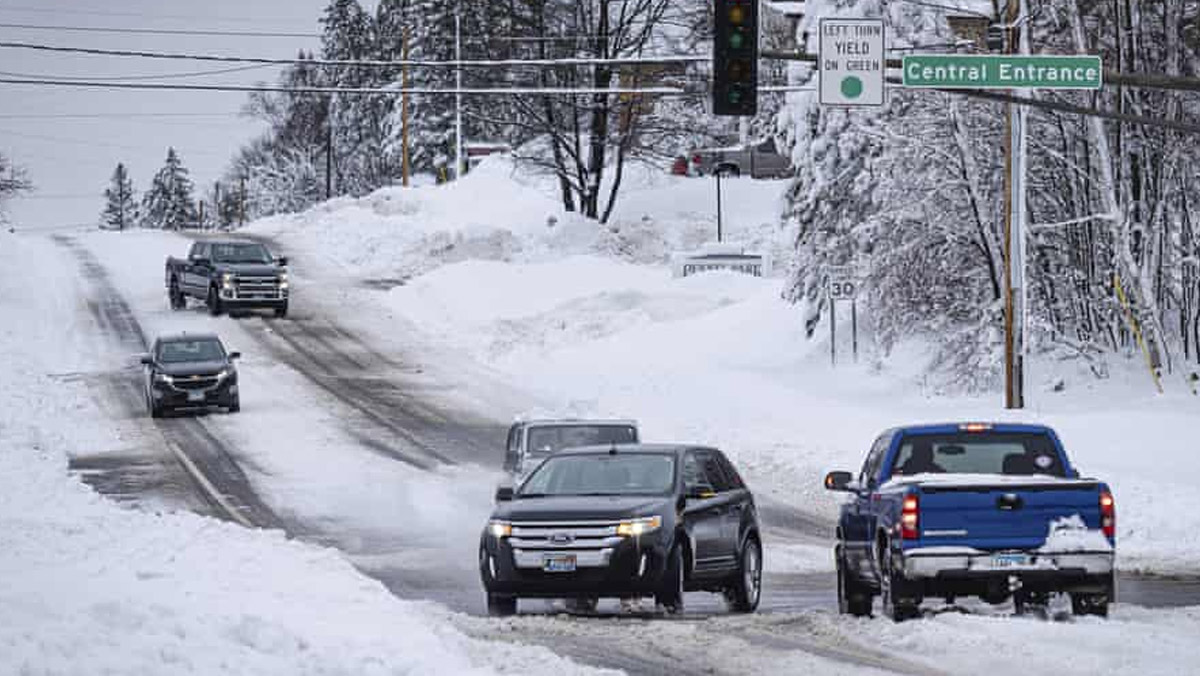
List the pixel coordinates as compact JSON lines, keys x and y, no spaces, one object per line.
{"x":190,"y":371}
{"x":625,"y":520}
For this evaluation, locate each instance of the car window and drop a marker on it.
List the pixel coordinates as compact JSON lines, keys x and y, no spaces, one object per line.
{"x":1020,"y":454}
{"x":693,"y":473}
{"x":549,"y":439}
{"x":870,"y":469}
{"x":715,"y":473}
{"x":178,"y":351}
{"x":735,"y":479}
{"x":195,"y":250}
{"x":768,"y":146}
{"x":602,"y":474}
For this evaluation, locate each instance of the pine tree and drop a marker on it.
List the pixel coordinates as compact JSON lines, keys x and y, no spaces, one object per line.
{"x":168,"y":204}
{"x":120,"y":212}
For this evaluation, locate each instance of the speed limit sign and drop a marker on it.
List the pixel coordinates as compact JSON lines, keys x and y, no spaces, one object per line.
{"x":842,"y":284}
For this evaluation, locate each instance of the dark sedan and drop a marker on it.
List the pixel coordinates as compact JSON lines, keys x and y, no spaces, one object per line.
{"x":190,"y":372}
{"x":626,"y":520}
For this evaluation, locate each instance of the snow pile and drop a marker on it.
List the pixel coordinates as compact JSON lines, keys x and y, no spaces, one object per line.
{"x":93,"y":588}
{"x":1071,"y":534}
{"x":497,"y":213}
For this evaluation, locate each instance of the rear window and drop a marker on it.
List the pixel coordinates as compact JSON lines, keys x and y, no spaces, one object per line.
{"x":1013,"y":453}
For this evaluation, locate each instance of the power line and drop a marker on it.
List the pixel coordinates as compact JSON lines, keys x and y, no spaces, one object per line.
{"x":166,"y":76}
{"x":92,"y":116}
{"x":57,"y":11}
{"x":482,"y":91}
{"x":159,"y":31}
{"x":489,"y":63}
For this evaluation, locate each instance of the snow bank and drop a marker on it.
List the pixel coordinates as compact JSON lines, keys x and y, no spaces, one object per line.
{"x":89,"y":587}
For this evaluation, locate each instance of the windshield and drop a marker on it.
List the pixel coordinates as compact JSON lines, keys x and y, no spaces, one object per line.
{"x":552,"y":439}
{"x":240,"y":253}
{"x":178,"y":351}
{"x":1020,"y":454}
{"x":602,"y":474}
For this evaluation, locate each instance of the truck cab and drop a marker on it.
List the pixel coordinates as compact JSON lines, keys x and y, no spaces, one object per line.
{"x":532,"y":441}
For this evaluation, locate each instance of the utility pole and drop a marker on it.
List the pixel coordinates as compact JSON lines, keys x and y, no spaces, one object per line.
{"x":1014,"y":224}
{"x":458,"y":125}
{"x":329,"y":148}
{"x":404,"y":111}
{"x":242,"y":204}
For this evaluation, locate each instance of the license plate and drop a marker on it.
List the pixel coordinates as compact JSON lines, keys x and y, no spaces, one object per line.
{"x":195,"y":396}
{"x":559,"y":564}
{"x":1011,"y":560}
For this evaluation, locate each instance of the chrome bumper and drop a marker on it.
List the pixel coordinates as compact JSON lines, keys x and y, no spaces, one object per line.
{"x":584,"y":558}
{"x":932,"y":565}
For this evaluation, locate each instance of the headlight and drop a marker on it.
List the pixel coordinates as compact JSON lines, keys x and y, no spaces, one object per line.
{"x":227,"y":279}
{"x":225,"y":373}
{"x":499,"y":529}
{"x":637,"y":527}
{"x":163,"y":378}
{"x":283,"y":280}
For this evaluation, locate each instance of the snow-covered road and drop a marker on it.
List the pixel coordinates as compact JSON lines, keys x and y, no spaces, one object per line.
{"x":356,"y":433}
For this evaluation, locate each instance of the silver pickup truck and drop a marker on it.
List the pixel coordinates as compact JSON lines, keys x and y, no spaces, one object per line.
{"x":532,"y":441}
{"x":760,"y":159}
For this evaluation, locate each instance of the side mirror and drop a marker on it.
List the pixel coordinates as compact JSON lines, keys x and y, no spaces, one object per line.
{"x":504,"y":493}
{"x":282,"y":261}
{"x":838,"y":481}
{"x":146,"y":359}
{"x":201,"y":261}
{"x":700,"y":492}
{"x":235,"y":355}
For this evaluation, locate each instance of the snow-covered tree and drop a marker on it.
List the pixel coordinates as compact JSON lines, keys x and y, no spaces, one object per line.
{"x":12,"y":182}
{"x":168,"y":203}
{"x":120,"y":209}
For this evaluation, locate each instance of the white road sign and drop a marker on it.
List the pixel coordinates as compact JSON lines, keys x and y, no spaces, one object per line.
{"x":852,"y":63}
{"x":842,"y":283}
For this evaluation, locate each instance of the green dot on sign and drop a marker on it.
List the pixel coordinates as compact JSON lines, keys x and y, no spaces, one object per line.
{"x":852,"y":87}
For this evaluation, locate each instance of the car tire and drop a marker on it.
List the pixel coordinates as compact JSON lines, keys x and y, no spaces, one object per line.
{"x":213,"y":301}
{"x":235,"y":405}
{"x":897,"y":603}
{"x":500,"y":605}
{"x":281,"y":312}
{"x":670,"y":590}
{"x":176,"y":298}
{"x":854,"y":598}
{"x":1094,"y":603}
{"x":746,"y":591}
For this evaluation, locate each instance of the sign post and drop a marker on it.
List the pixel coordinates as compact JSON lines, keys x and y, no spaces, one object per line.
{"x":851,"y":62}
{"x":842,"y":284}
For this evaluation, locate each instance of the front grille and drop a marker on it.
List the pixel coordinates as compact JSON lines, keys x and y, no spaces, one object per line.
{"x":257,"y":286}
{"x":195,"y":382}
{"x":591,"y":541}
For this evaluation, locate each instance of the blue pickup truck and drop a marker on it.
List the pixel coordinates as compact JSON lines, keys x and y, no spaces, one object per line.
{"x":988,"y":510}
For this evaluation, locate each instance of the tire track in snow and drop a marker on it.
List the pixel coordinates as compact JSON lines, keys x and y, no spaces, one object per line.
{"x":206,"y":453}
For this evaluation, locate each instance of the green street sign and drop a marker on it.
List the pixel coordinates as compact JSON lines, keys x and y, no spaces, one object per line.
{"x":1002,"y":71}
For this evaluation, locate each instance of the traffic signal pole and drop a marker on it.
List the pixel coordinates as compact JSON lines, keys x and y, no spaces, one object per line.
{"x":458,"y":125}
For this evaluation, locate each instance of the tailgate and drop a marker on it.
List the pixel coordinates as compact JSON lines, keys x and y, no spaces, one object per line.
{"x":1003,"y":516}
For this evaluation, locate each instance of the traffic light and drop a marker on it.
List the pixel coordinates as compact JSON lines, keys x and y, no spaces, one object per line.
{"x":735,"y":57}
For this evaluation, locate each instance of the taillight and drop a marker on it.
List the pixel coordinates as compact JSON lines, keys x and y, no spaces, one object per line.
{"x":910,"y":518}
{"x":1108,"y":514}
{"x":696,"y":159}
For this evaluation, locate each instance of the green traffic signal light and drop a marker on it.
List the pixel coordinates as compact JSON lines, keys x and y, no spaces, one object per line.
{"x":736,"y":40}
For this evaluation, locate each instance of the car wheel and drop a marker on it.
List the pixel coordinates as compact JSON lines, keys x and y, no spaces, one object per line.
{"x":854,"y":598}
{"x":670,"y":592}
{"x":213,"y":301}
{"x":1094,"y":603}
{"x":281,"y":312}
{"x":499,"y":605}
{"x":175,"y":296}
{"x":747,"y":587}
{"x":236,"y":405}
{"x":897,"y":604}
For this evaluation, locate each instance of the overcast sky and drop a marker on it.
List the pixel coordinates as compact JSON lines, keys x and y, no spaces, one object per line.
{"x":70,"y":140}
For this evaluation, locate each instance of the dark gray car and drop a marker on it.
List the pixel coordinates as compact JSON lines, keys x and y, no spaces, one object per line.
{"x":190,"y":371}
